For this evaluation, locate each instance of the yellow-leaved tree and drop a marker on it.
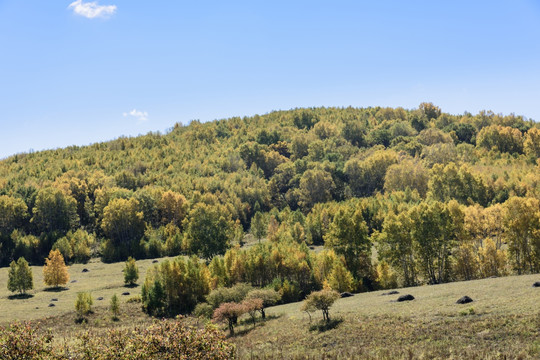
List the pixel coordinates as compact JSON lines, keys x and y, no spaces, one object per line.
{"x":55,"y":271}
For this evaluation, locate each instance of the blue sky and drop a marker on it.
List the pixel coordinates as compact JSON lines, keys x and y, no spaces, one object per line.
{"x":81,"y":72}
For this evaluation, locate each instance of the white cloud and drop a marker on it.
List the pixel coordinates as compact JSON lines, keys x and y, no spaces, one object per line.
{"x":92,"y":10}
{"x":139,"y":115}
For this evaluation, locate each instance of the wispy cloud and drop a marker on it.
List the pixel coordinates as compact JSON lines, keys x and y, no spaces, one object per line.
{"x":92,"y":10}
{"x":139,"y":115}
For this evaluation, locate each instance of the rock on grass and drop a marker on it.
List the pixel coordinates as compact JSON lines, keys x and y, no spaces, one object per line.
{"x":464,"y":300}
{"x":407,"y":297}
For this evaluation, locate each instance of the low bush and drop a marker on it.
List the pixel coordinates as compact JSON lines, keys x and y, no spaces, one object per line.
{"x":164,"y":340}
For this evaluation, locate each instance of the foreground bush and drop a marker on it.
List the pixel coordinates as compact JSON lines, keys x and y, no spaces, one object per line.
{"x":165,"y":340}
{"x":22,"y":342}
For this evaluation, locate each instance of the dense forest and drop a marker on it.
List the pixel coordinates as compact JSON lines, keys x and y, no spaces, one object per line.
{"x":353,"y":199}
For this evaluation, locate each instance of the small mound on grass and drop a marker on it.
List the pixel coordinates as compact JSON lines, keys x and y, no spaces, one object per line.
{"x":407,"y":297}
{"x":464,"y":300}
{"x":536,"y":284}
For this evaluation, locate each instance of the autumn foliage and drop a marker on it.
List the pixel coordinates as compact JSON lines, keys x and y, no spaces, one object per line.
{"x":165,"y":340}
{"x":55,"y":271}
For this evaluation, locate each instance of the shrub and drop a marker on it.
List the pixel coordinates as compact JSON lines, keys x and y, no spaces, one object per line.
{"x":236,"y":293}
{"x":22,"y":341}
{"x":83,"y":305}
{"x":269,"y":297}
{"x":229,"y":312}
{"x":251,"y":306}
{"x":204,"y":310}
{"x":131,"y":272}
{"x":115,"y":307}
{"x":164,"y":340}
{"x":134,"y":299}
{"x":321,"y":300}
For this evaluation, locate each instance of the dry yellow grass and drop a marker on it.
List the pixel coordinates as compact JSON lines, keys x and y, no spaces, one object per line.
{"x":503,"y":320}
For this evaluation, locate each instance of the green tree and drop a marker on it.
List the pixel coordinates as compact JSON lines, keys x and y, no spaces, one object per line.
{"x":123,"y":224}
{"x":321,"y":300}
{"x":20,"y":276}
{"x":175,"y":287}
{"x":434,"y":230}
{"x":131,"y":272}
{"x":115,"y":307}
{"x":522,"y":222}
{"x":431,"y":111}
{"x":64,"y":247}
{"x":13,"y":213}
{"x":83,"y":305}
{"x":395,"y":245}
{"x":408,"y":174}
{"x":501,"y":138}
{"x":235,"y":293}
{"x":453,"y":182}
{"x":172,"y":208}
{"x":153,"y":298}
{"x":340,"y":279}
{"x":81,"y":243}
{"x":367,"y":176}
{"x":531,"y":143}
{"x":316,"y":186}
{"x":259,"y":226}
{"x":269,"y":297}
{"x":208,"y":230}
{"x":348,"y":236}
{"x":54,"y":211}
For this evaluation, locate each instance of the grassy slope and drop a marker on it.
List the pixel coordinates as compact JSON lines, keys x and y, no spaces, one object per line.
{"x":506,"y":319}
{"x":102,"y":280}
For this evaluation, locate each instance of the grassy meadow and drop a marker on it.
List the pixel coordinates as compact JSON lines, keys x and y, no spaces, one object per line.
{"x":503,"y":321}
{"x":102,"y":280}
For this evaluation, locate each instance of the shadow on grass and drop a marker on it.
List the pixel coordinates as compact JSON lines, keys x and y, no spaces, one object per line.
{"x":260,"y":321}
{"x":248,"y":325}
{"x":20,"y":296}
{"x":81,"y":320}
{"x":131,"y":286}
{"x":324,"y":326}
{"x":246,"y":330}
{"x":56,"y":289}
{"x":272,"y":317}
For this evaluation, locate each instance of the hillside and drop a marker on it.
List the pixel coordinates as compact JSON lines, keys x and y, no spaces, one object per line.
{"x":395,"y":197}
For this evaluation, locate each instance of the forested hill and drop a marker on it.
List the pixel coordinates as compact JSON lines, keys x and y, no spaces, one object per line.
{"x":306,"y":173}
